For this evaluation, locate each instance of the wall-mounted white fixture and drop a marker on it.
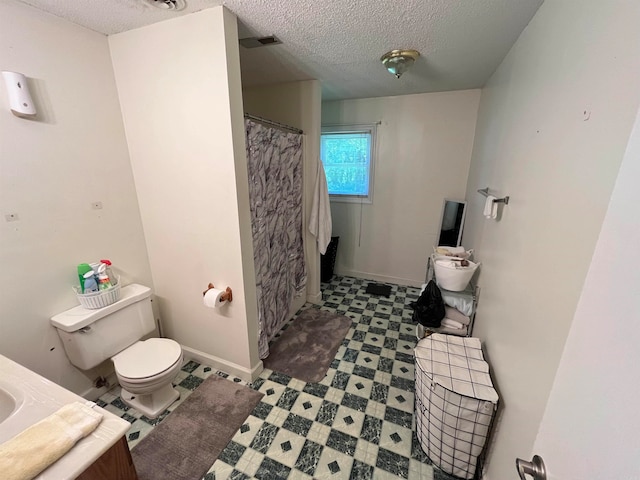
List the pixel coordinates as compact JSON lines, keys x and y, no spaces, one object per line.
{"x":20,"y":100}
{"x":398,"y":61}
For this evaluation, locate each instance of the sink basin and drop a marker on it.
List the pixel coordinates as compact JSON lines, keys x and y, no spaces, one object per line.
{"x":26,"y":398}
{"x":10,"y":400}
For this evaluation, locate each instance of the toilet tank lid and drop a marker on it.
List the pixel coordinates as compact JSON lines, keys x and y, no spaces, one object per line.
{"x":80,"y":317}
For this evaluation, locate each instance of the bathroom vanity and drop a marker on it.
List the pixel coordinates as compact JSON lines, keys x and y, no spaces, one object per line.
{"x":114,"y":463}
{"x":27,"y":398}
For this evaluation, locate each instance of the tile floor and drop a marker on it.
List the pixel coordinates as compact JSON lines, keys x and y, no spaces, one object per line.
{"x":357,"y":423}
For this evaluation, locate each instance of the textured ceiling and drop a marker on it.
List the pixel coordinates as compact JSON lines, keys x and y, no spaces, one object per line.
{"x":340,"y":42}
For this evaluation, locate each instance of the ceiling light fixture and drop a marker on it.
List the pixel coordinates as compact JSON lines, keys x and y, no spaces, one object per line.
{"x":167,"y":4}
{"x":398,"y":61}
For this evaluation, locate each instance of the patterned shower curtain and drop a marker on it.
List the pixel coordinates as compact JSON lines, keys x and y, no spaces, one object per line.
{"x":274,"y":159}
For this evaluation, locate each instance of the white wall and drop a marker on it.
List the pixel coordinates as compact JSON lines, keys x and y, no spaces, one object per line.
{"x":296,"y":104}
{"x":182,"y":109}
{"x":51,"y":170}
{"x":590,"y":426}
{"x":558,"y":165}
{"x":424,"y":151}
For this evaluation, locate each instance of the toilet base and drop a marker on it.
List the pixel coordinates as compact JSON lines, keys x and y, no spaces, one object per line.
{"x":151,"y":405}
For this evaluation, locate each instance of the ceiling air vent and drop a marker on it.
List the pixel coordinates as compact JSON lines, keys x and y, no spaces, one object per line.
{"x":167,"y":4}
{"x":253,"y":42}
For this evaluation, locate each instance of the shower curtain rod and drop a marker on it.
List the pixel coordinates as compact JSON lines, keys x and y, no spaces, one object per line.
{"x":272,"y":123}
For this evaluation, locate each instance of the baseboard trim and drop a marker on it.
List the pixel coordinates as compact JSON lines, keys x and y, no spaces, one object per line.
{"x":248,"y":375}
{"x":256,"y":370}
{"x":314,"y":298}
{"x":380,"y":278}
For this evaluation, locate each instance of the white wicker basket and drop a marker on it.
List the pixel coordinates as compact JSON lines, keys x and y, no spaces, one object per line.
{"x":99,"y":299}
{"x":452,"y":276}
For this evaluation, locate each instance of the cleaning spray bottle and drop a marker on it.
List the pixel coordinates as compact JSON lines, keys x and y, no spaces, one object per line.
{"x":90,"y":284}
{"x":103,"y":279}
{"x":109,"y":271}
{"x":82,"y":269}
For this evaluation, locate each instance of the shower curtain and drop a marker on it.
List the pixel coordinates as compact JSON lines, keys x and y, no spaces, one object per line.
{"x":274,"y":161}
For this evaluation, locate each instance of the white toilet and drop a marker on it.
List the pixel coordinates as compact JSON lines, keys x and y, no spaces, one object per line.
{"x":144,"y":368}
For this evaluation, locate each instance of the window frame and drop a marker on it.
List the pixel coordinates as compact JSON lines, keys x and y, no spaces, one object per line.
{"x":371,"y":129}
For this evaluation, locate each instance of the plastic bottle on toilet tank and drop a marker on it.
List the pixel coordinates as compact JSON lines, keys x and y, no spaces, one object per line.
{"x":82,"y":269}
{"x":90,"y":284}
{"x":103,"y":279}
{"x":109,"y":271}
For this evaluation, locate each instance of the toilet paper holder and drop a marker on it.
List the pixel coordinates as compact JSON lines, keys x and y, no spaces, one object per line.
{"x":227,"y":296}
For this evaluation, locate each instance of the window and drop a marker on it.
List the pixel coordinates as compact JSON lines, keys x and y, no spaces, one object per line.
{"x":347,"y":154}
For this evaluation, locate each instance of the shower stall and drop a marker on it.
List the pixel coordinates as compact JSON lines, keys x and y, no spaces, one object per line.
{"x":274,"y":162}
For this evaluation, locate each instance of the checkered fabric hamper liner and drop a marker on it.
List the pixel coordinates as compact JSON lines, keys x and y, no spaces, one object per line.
{"x":455,"y":402}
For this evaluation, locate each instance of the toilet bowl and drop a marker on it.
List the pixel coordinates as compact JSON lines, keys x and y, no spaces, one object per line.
{"x":144,"y":368}
{"x":145,"y":371}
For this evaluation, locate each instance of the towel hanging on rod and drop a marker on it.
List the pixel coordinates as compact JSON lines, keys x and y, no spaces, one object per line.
{"x":490,"y":207}
{"x":485,"y":192}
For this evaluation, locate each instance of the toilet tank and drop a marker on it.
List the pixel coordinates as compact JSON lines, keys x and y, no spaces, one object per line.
{"x":90,"y":337}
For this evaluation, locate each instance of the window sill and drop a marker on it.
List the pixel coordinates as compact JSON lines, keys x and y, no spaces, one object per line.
{"x":341,"y":199}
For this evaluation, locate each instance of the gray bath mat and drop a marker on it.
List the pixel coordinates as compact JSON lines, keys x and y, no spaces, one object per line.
{"x":189,"y":440}
{"x":308,"y":346}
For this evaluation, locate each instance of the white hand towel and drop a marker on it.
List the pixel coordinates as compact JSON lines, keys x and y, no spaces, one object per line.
{"x":490,"y":207}
{"x":455,"y":314}
{"x":320,"y":219}
{"x":30,"y":452}
{"x":447,"y":322}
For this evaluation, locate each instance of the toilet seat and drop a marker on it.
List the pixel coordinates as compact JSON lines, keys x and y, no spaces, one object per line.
{"x":147,"y":359}
{"x":150,"y":385}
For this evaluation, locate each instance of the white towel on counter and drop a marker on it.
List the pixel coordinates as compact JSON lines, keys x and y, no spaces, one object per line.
{"x":31,"y":451}
{"x":320,"y":219}
{"x":490,"y":207}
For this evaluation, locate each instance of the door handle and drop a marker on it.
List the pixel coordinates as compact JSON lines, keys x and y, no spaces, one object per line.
{"x":535,"y":468}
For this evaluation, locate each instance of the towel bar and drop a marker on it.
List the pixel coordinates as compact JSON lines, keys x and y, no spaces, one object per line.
{"x":485,"y":192}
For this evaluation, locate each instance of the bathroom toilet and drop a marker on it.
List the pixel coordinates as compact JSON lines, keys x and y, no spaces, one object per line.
{"x":145,"y":371}
{"x":144,"y":368}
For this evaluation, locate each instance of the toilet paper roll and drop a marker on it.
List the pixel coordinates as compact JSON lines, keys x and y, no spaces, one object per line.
{"x":213,"y":298}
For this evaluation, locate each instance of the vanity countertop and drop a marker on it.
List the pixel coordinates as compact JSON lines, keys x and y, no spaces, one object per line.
{"x":39,"y":399}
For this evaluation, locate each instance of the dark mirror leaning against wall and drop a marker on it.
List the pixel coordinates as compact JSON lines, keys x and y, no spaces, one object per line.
{"x":452,"y":222}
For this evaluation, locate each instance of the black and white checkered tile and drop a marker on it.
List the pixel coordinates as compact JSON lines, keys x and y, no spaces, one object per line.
{"x":357,"y":423}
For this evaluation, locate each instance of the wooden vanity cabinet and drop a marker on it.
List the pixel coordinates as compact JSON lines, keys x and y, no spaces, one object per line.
{"x":115,"y":463}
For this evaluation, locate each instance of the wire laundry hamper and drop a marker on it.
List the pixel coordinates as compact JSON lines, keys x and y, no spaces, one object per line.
{"x":455,"y":402}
